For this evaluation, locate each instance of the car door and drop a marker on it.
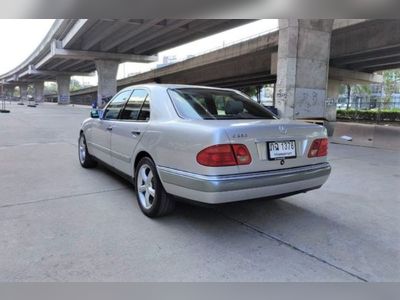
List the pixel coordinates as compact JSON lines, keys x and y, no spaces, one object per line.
{"x":129,"y":129}
{"x":101,"y":133}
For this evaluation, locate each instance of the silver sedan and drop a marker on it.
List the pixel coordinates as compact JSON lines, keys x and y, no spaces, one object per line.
{"x":205,"y":144}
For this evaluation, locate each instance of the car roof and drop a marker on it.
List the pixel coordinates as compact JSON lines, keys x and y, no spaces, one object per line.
{"x":173,"y":86}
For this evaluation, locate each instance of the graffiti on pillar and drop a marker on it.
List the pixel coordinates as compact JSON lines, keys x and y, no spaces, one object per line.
{"x":64,"y":98}
{"x":281,"y":96}
{"x":308,"y":100}
{"x":309,"y":103}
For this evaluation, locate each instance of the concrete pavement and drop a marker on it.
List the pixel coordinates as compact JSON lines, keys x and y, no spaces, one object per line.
{"x":60,"y":222}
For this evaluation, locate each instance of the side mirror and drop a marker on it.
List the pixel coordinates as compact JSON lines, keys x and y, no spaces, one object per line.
{"x":94,"y":113}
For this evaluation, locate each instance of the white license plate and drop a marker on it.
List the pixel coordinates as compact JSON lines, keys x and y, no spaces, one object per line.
{"x":281,"y":149}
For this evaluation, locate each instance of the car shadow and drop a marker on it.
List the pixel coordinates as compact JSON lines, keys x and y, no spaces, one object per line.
{"x":292,"y":221}
{"x":282,"y":218}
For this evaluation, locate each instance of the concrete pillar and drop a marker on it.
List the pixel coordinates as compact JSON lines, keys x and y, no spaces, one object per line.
{"x":333,"y":92}
{"x":63,"y":82}
{"x":107,"y":79}
{"x":10,"y":91}
{"x":23,"y":91}
{"x":302,"y":68}
{"x":39,"y":88}
{"x":5,"y":91}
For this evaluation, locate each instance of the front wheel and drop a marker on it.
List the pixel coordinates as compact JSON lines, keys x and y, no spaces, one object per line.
{"x":152,"y":198}
{"x":86,"y":160}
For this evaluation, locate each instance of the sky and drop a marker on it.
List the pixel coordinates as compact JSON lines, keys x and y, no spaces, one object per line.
{"x":20,"y":37}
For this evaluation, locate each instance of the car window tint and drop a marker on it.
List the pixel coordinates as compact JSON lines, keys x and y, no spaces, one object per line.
{"x":144,"y":114}
{"x":115,"y":106}
{"x":134,"y":104}
{"x":200,"y":103}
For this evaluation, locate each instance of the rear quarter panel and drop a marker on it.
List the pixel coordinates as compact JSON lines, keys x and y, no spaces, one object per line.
{"x":176,"y":143}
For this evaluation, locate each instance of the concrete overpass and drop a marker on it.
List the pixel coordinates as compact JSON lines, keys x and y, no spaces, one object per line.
{"x":298,"y":58}
{"x":79,"y":47}
{"x":254,"y":62}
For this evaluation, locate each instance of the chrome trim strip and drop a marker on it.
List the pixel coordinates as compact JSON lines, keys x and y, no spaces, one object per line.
{"x":221,"y":183}
{"x":120,"y":156}
{"x":244,"y":175}
{"x":100,"y":148}
{"x":112,"y":153}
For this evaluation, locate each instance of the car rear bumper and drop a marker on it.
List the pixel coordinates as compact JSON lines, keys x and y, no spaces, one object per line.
{"x":229,"y":188}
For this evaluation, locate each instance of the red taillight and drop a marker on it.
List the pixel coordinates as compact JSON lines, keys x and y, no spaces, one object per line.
{"x":319,"y":147}
{"x":242,"y":154}
{"x":224,"y":155}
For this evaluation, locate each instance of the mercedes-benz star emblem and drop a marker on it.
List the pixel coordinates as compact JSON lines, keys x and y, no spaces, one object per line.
{"x":282,"y":129}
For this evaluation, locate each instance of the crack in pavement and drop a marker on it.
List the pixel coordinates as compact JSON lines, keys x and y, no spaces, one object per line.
{"x":61,"y":197}
{"x":288,"y":244}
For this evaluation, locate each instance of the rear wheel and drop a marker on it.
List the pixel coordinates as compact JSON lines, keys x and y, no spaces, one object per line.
{"x":151,"y":196}
{"x":86,"y":160}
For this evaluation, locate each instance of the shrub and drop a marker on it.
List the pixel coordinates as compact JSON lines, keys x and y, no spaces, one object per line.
{"x":369,"y":115}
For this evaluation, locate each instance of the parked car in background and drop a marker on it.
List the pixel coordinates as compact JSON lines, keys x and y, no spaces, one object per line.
{"x":205,"y":144}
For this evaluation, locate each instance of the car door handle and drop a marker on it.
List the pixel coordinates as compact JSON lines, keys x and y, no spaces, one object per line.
{"x":109,"y":128}
{"x":135,"y":132}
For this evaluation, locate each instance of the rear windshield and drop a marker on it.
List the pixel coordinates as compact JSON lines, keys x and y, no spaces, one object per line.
{"x":210,"y":104}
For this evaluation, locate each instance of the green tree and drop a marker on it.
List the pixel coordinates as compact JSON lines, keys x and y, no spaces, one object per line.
{"x":361,"y":89}
{"x":50,"y":88}
{"x":250,"y":91}
{"x":391,"y":80}
{"x":75,"y":85}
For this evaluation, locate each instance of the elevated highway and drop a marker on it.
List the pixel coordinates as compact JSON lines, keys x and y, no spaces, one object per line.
{"x":81,"y":46}
{"x":307,"y":59}
{"x":254,"y":62}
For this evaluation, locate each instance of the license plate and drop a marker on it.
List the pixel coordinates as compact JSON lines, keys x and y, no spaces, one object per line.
{"x":281,"y":149}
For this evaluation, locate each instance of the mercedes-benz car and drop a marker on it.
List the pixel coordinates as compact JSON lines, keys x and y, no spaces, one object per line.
{"x":205,"y":144}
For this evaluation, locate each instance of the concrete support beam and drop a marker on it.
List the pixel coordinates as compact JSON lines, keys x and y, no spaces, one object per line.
{"x":121,"y":36}
{"x":33,"y":71}
{"x":58,"y":52}
{"x":303,"y":64}
{"x":341,"y":23}
{"x":107,"y":77}
{"x":76,"y":31}
{"x":274,"y":63}
{"x":38,"y":88}
{"x":131,"y":44}
{"x":63,"y":83}
{"x":354,"y":77}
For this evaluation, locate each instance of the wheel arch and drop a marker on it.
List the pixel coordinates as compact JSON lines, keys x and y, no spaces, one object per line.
{"x":138,"y":157}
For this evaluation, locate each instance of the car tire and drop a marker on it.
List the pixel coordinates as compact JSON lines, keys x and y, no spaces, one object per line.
{"x":86,"y":160}
{"x":152,"y":198}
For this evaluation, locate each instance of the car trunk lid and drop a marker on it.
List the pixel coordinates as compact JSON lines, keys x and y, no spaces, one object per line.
{"x":257,"y":135}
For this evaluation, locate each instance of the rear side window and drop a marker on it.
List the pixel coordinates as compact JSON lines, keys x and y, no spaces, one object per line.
{"x":115,"y":106}
{"x":214,"y":104}
{"x":132,"y":110}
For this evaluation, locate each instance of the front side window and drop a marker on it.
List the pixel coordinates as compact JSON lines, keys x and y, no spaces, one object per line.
{"x":115,"y":106}
{"x":214,"y":104}
{"x":137,"y":107}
